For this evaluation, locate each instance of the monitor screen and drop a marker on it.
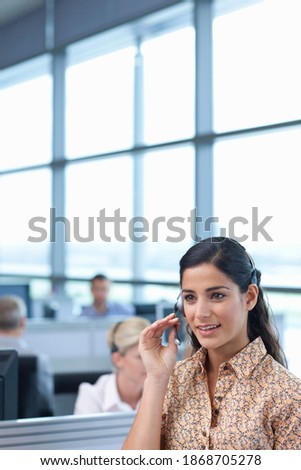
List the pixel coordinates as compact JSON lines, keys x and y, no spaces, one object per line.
{"x":21,"y":290}
{"x":147,"y":311}
{"x":8,"y":384}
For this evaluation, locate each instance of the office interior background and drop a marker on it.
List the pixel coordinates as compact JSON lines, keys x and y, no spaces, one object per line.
{"x":157,"y":109}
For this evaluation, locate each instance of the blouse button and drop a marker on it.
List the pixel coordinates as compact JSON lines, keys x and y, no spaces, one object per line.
{"x":226,"y":367}
{"x":204,"y":433}
{"x":219,"y":398}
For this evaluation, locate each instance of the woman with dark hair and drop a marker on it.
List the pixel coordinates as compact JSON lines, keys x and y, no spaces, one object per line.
{"x":235,"y":391}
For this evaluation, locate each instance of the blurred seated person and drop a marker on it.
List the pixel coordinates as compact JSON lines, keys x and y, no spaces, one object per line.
{"x":12,"y":328}
{"x":102,"y":307}
{"x":121,"y":390}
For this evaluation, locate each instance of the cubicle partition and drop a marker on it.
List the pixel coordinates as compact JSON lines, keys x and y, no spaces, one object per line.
{"x":76,"y":345}
{"x":105,"y":431}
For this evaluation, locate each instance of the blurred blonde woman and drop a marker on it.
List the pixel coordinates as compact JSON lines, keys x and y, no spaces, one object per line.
{"x":121,"y":390}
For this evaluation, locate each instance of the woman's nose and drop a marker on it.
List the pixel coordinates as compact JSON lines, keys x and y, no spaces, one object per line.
{"x":202,"y":309}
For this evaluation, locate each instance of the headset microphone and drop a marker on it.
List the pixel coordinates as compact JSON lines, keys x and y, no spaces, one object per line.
{"x":177,"y":340}
{"x":178,"y":308}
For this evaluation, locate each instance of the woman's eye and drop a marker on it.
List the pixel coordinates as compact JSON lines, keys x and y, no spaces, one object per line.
{"x":217,"y":296}
{"x":189,"y":298}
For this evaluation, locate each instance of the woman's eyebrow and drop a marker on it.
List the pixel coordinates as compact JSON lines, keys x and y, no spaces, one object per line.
{"x":207,"y":290}
{"x":217,"y":287}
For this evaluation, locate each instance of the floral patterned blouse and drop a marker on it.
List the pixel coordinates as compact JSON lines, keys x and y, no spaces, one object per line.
{"x":256,"y":405}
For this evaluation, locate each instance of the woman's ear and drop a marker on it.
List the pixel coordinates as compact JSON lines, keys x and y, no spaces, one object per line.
{"x":251,"y":296}
{"x":116,"y":359}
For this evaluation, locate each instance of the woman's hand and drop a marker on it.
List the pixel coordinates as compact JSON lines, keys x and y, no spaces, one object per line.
{"x":159,"y":360}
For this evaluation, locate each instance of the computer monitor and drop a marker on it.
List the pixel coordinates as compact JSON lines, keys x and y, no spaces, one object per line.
{"x":28,"y":388}
{"x":8,"y":384}
{"x":21,"y":290}
{"x":147,"y":311}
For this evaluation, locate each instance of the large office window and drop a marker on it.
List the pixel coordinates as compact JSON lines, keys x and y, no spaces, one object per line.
{"x":168,"y":202}
{"x":169,"y":86}
{"x":257,"y":73}
{"x":255,"y":204}
{"x":24,"y":213}
{"x":26,"y":136}
{"x":99,"y":104}
{"x":133,"y":133}
{"x":99,"y":207}
{"x":117,"y":98}
{"x":26,"y":115}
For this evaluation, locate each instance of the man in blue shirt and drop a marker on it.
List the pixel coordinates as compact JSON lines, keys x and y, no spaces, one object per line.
{"x":102,"y":307}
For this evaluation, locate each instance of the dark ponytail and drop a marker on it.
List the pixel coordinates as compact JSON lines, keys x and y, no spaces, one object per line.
{"x":231,"y":258}
{"x":261,"y":322}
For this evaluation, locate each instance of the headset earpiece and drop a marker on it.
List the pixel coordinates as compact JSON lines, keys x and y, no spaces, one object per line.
{"x":114,"y":348}
{"x":254,"y":277}
{"x":179,"y":304}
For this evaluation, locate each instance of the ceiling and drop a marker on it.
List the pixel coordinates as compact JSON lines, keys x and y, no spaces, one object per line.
{"x":11,"y":9}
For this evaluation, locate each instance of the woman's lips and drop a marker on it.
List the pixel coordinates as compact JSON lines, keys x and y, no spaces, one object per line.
{"x":209,"y":329}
